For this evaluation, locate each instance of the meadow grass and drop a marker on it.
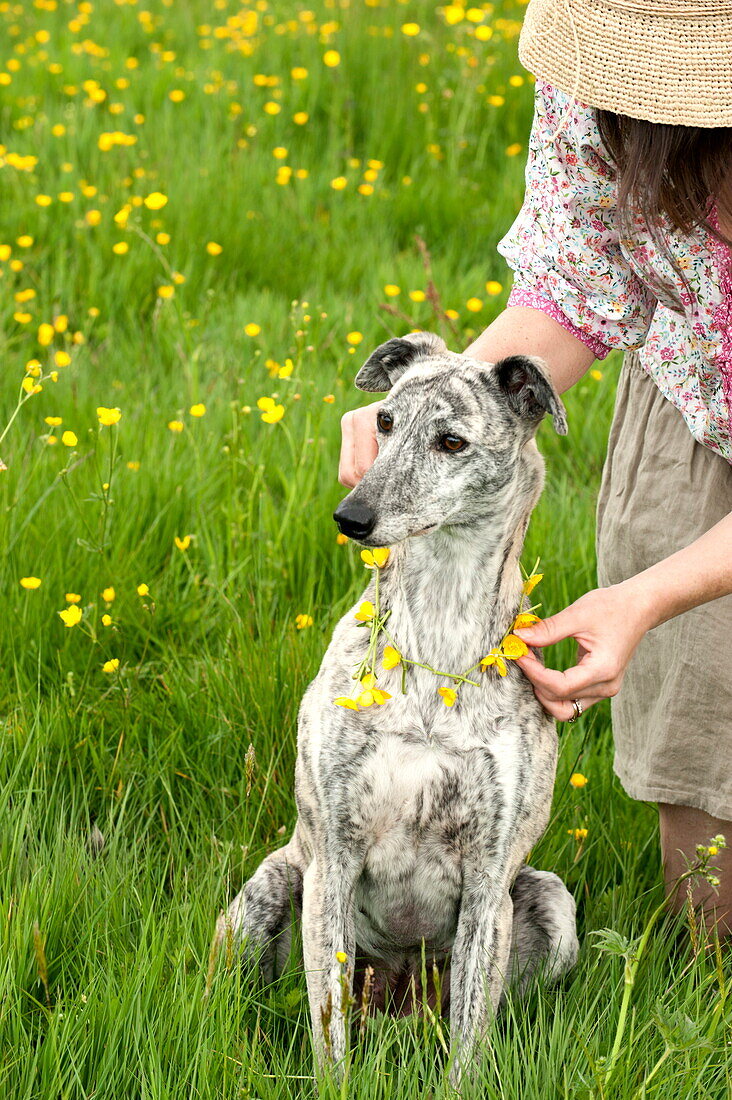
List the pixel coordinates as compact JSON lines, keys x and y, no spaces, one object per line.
{"x":136,"y":800}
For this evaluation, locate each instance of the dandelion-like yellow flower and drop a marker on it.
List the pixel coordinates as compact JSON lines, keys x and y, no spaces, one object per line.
{"x":30,"y":583}
{"x":341,"y":956}
{"x":391,"y":290}
{"x":303,"y":621}
{"x":45,"y":334}
{"x":108,"y":417}
{"x":71,"y":616}
{"x":449,"y":695}
{"x":596,"y":375}
{"x":109,"y":595}
{"x":156,"y":200}
{"x":214,"y":249}
{"x":198,"y":410}
{"x":120,"y":248}
{"x":493,"y":287}
{"x":411,"y":30}
{"x":339,"y":183}
{"x":354,"y":338}
{"x":331,"y":58}
{"x":166,"y":291}
{"x":577,"y":779}
{"x":513,"y":149}
{"x":69,"y":439}
{"x":474,"y":305}
{"x":175,"y":425}
{"x":111,"y":665}
{"x":417,"y":295}
{"x":61,"y":358}
{"x":252,"y":329}
{"x":143,"y":590}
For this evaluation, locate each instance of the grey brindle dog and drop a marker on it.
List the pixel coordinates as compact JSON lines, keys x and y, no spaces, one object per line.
{"x":414,"y":818}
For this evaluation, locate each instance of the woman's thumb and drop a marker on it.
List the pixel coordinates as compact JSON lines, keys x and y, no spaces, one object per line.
{"x":546,"y":632}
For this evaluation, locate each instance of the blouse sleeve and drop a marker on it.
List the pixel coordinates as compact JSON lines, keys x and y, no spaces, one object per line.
{"x":564,"y":246}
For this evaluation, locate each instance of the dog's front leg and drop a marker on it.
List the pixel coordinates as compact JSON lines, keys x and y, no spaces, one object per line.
{"x":479,"y":967}
{"x":327,"y":931}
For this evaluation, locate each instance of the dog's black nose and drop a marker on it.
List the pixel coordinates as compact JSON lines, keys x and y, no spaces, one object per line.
{"x":354,"y":519}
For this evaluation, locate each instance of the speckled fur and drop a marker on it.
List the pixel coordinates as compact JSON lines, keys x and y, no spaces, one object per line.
{"x":414,"y":818}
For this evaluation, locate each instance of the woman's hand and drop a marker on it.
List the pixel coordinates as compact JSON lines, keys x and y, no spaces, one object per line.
{"x":608,"y":624}
{"x":358,"y":444}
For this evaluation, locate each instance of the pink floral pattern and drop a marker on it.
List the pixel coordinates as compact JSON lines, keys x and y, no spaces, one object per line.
{"x":613,"y":291}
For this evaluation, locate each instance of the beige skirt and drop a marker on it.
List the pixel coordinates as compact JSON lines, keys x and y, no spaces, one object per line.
{"x":672,"y":719}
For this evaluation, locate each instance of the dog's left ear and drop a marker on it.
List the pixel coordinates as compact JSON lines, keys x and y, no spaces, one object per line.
{"x":525,"y":382}
{"x":390,"y":360}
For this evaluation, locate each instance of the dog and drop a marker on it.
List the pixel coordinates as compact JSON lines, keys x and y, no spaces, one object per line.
{"x":415,"y":817}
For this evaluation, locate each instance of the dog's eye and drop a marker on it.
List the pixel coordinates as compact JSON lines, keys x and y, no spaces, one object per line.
{"x":452,"y":443}
{"x":384,"y":421}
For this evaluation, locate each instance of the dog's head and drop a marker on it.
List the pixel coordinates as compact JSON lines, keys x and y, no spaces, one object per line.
{"x":452,"y":435}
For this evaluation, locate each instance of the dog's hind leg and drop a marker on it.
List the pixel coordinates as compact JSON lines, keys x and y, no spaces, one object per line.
{"x":259,"y":919}
{"x":544,"y":937}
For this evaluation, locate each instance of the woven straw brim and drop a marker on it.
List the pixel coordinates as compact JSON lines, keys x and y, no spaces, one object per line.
{"x":659,"y":60}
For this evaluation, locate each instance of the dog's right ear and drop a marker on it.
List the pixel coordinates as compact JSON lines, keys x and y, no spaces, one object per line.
{"x":390,"y":360}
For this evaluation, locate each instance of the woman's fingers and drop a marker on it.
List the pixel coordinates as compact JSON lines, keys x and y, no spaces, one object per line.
{"x":563,"y":710}
{"x":589,"y":677}
{"x":358,"y":444}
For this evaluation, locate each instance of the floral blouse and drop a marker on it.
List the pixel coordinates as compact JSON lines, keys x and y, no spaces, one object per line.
{"x":570,"y":261}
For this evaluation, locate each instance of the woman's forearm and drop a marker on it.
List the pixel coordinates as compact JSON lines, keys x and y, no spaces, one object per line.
{"x":521,"y":330}
{"x":701,"y":572}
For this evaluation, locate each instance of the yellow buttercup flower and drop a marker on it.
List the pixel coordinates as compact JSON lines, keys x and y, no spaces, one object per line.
{"x":345,"y":701}
{"x":513,"y":647}
{"x":371,"y":693}
{"x":495,"y":660}
{"x":30,"y":583}
{"x":578,"y":834}
{"x":69,"y":439}
{"x":197,"y":410}
{"x":302,"y":621}
{"x":341,"y":539}
{"x":449,"y":695}
{"x":166,"y":291}
{"x":252,"y":328}
{"x":72,"y":597}
{"x":183,"y":543}
{"x":531,"y":582}
{"x":111,"y":665}
{"x":71,"y":615}
{"x":526,"y":618}
{"x":156,"y":200}
{"x":270,"y":410}
{"x":577,"y":779}
{"x":109,"y":594}
{"x":376,"y":557}
{"x":143,"y":590}
{"x":341,"y":956}
{"x":108,"y":417}
{"x":331,"y":58}
{"x":365,"y":612}
{"x":391,"y":657}
{"x":175,"y":425}
{"x":45,"y":334}
{"x":214,"y":249}
{"x":106,"y":619}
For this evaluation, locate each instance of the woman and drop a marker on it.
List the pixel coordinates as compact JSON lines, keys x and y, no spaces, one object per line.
{"x":623,"y":242}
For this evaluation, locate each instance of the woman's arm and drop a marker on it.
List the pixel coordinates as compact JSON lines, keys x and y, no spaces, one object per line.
{"x":608,"y":623}
{"x":519,"y":330}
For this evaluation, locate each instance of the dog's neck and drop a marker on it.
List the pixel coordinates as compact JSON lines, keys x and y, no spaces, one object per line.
{"x":454,"y":594}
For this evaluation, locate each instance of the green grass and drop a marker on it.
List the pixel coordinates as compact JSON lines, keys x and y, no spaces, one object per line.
{"x":183,"y":757}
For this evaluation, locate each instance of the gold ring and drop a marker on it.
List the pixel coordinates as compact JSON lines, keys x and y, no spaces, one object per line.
{"x":578,"y":709}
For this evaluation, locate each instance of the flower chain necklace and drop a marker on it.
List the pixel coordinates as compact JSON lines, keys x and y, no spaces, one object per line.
{"x":369,"y":615}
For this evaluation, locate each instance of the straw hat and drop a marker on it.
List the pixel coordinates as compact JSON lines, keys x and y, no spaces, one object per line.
{"x":659,"y":60}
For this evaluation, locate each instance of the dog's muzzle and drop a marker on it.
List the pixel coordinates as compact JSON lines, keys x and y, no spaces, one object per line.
{"x":354,"y":519}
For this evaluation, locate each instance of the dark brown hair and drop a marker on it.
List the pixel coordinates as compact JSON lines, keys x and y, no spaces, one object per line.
{"x":671,"y":170}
